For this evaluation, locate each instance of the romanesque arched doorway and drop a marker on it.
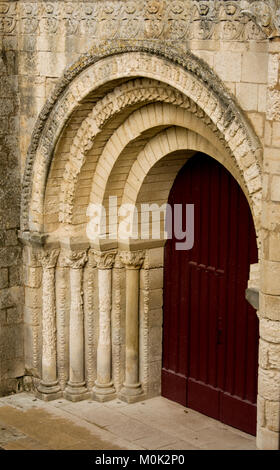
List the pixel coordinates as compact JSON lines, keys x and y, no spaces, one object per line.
{"x":210,"y":345}
{"x":118,"y":126}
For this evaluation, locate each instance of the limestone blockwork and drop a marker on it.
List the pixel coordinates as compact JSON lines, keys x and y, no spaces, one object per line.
{"x":105,"y":99}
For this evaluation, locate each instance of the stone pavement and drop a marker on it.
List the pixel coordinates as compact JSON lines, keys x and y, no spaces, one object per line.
{"x":28,"y":423}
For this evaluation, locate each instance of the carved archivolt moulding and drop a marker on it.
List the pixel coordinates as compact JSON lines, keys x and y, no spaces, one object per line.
{"x":182,"y":71}
{"x":131,"y":93}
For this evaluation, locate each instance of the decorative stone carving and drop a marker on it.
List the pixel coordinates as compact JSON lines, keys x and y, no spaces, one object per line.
{"x":145,"y":331}
{"x":117,"y":347}
{"x":89,"y":19}
{"x":104,"y":389}
{"x":30,"y":19}
{"x":76,"y":389}
{"x":91,"y":320}
{"x":265,"y":14}
{"x":132,"y":259}
{"x":75,"y":259}
{"x":50,"y":17}
{"x":196,"y":80}
{"x":132,"y":389}
{"x":48,"y":258}
{"x":48,"y":388}
{"x":121,"y":98}
{"x":71,"y":18}
{"x":145,"y":19}
{"x":8,"y":18}
{"x":104,"y":260}
{"x":62,"y":288}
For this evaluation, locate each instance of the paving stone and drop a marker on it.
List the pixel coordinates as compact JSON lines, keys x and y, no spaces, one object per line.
{"x":158,"y":423}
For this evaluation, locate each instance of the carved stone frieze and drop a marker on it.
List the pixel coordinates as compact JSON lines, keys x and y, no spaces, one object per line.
{"x":266,"y":15}
{"x":144,"y":19}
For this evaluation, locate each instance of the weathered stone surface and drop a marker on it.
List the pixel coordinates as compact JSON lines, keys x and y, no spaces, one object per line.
{"x":261,"y":411}
{"x":11,"y":341}
{"x":212,"y":66}
{"x":270,"y":277}
{"x":270,"y":330}
{"x":270,"y":306}
{"x":9,"y":256}
{"x":268,"y":384}
{"x":155,"y":278}
{"x":4,"y":279}
{"x":275,"y":188}
{"x":11,"y":297}
{"x":15,"y":275}
{"x":272,"y":415}
{"x":32,"y":276}
{"x":254,"y":67}
{"x":267,"y":439}
{"x":269,"y":357}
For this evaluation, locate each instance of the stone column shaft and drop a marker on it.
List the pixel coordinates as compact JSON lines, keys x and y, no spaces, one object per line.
{"x":132,"y":327}
{"x":62,"y":288}
{"x":90,"y":313}
{"x":132,"y":389}
{"x":48,"y":388}
{"x":104,"y":343}
{"x":76,"y":342}
{"x":104,"y":389}
{"x":76,"y":389}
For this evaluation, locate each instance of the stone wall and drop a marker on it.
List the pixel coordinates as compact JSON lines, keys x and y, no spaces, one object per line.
{"x":39,"y":40}
{"x":11,"y":292}
{"x":269,"y":348}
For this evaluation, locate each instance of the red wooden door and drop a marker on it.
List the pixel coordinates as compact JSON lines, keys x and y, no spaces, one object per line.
{"x":210,"y":332}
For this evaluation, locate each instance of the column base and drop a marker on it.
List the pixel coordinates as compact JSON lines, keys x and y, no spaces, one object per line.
{"x":103,"y":392}
{"x":48,"y":391}
{"x":75,"y":391}
{"x":131,"y":393}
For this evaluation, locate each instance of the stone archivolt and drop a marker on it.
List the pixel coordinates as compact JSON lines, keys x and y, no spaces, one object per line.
{"x":138,"y":92}
{"x":226,"y":120}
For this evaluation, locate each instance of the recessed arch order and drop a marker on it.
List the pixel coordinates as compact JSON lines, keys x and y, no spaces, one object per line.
{"x":180,"y":71}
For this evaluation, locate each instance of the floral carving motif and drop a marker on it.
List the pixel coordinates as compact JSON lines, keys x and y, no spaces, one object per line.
{"x":132,"y":259}
{"x":49,"y":258}
{"x":104,"y":260}
{"x":75,"y":259}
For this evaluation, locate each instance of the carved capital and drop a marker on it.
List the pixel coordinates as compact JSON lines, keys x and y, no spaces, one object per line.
{"x":104,"y":260}
{"x":48,"y":258}
{"x":132,"y":259}
{"x":75,"y":259}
